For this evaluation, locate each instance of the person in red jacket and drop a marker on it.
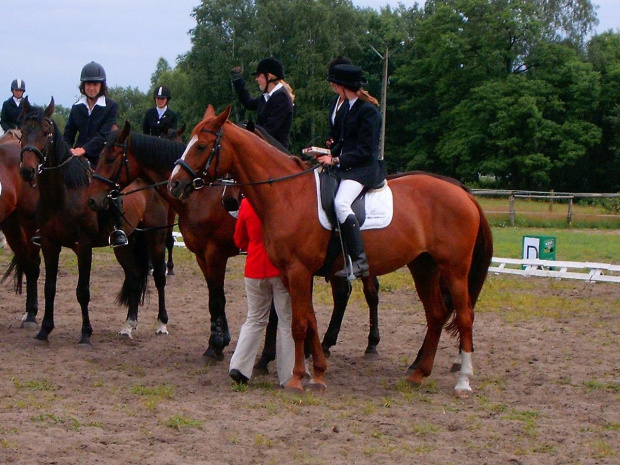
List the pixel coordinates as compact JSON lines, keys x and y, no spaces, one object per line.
{"x":262,"y":285}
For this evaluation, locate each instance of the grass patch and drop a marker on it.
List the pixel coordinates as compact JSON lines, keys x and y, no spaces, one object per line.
{"x":153,"y":395}
{"x":597,"y":385}
{"x":34,"y":385}
{"x":179,"y":421}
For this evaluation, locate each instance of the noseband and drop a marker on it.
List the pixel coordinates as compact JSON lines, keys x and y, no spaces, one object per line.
{"x":198,"y":179}
{"x":114,"y":182}
{"x":41,"y":154}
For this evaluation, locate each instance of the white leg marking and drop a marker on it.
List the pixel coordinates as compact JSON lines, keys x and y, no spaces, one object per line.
{"x":128,"y":328}
{"x":467,"y":370}
{"x":161,"y":328}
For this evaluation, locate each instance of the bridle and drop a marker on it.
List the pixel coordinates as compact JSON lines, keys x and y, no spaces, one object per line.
{"x":114,"y":182}
{"x":198,"y":179}
{"x":41,"y":154}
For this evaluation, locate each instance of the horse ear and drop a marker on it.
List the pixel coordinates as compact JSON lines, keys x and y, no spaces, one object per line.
{"x":26,"y":108}
{"x":125,"y":132}
{"x":50,"y":108}
{"x":210,"y":111}
{"x":223,"y":117}
{"x":181,"y":130}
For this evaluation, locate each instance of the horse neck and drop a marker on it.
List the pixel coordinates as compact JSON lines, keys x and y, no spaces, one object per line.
{"x":255,"y":162}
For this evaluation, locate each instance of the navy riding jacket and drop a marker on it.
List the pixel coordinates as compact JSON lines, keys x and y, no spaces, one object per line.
{"x":10,"y":118}
{"x":153,"y":125}
{"x":274,"y":115}
{"x":91,"y":130}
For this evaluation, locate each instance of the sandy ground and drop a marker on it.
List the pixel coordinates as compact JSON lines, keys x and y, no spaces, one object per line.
{"x":546,"y":387}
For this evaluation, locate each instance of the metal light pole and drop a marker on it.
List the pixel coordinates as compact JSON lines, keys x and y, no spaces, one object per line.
{"x":383,"y":99}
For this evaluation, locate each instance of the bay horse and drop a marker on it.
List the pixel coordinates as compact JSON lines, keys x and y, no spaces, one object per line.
{"x":438,"y":231}
{"x":66,"y":221}
{"x":207,"y":228}
{"x":17,"y":209}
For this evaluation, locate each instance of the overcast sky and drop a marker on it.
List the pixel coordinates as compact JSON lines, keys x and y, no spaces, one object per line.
{"x":46,"y":42}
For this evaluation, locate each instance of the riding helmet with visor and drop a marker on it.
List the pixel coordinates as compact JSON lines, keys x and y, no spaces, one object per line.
{"x":92,"y":72}
{"x":18,"y":84}
{"x":162,"y":92}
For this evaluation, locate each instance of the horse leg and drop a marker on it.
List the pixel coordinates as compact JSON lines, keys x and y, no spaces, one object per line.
{"x":341,"y":291}
{"x":157,"y":247}
{"x":213,"y":266}
{"x":27,"y":260}
{"x":299,"y":284}
{"x":428,"y":284}
{"x":51,"y":253}
{"x":269,"y":349}
{"x":371,"y":292}
{"x":82,"y":291}
{"x":134,"y":259}
{"x":170,"y":248}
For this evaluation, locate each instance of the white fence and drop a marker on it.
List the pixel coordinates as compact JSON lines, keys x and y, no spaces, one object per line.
{"x":604,"y":272}
{"x":587,"y":271}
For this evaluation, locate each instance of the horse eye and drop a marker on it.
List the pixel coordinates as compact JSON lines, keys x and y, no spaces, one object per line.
{"x":202,"y":146}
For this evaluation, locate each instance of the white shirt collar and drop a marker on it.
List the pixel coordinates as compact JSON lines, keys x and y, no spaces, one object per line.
{"x":352,"y":101}
{"x":278,"y":86}
{"x":161,"y":111}
{"x":83,"y":100}
{"x":18,"y":101}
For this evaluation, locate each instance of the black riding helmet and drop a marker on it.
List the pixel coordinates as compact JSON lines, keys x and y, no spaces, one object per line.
{"x":92,"y":72}
{"x":270,"y":66}
{"x":18,"y":84}
{"x":162,"y":92}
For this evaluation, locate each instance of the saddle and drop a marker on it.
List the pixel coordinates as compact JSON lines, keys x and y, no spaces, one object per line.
{"x":327,"y":185}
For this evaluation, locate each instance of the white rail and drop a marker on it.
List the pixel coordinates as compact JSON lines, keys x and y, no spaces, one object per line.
{"x":586,"y":271}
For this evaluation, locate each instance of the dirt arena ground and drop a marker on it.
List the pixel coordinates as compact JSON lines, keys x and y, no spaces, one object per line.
{"x":546,"y":385}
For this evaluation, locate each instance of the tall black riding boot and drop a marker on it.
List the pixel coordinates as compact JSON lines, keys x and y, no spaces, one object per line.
{"x":352,"y":236}
{"x":118,"y":238}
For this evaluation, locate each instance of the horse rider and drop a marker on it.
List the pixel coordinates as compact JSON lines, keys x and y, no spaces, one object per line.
{"x":11,"y":116}
{"x":356,"y":161}
{"x":275,"y":105}
{"x":160,"y":118}
{"x":91,"y":118}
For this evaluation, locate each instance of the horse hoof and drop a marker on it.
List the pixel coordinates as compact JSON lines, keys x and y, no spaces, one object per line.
{"x":261,"y":371}
{"x":371,"y":353}
{"x":170,"y":273}
{"x":125,"y":334}
{"x":29,"y":325}
{"x":85,"y":346}
{"x":413,"y":384}
{"x":462,"y":393}
{"x":455,"y":368}
{"x":41,"y":342}
{"x":211,"y":355}
{"x":316,"y":387}
{"x":297,"y":391}
{"x":326,"y":351}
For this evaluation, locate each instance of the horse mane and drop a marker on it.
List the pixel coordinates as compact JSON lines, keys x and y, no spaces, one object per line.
{"x":156,"y":152}
{"x":77,"y":172}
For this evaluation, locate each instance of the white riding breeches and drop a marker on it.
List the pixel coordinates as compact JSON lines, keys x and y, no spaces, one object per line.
{"x":347,"y":193}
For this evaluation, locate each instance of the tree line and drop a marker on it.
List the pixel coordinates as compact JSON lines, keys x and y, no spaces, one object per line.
{"x":513,"y":94}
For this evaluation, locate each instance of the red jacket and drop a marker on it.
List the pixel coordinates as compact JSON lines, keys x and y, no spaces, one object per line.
{"x":249,"y":237}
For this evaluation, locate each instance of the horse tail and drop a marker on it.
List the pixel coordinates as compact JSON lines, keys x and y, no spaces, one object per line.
{"x":481,"y":259}
{"x":16,"y":269}
{"x":141,"y":256}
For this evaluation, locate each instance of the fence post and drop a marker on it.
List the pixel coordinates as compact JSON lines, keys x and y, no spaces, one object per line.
{"x":511,"y":208}
{"x":569,"y":218}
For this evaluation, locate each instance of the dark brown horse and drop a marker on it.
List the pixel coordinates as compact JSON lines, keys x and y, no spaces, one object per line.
{"x":438,"y":231}
{"x":17,"y":208}
{"x":66,"y":221}
{"x":206,"y":226}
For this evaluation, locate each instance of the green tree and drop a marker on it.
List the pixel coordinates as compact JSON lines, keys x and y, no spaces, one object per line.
{"x":132,"y":104}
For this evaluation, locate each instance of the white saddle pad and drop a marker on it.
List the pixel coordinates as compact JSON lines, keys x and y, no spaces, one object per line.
{"x":379,"y":207}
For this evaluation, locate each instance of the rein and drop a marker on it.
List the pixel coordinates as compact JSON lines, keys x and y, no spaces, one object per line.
{"x":42,"y":154}
{"x":198,"y":181}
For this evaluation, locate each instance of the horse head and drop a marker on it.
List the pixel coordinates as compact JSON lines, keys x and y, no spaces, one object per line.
{"x":113,"y":169}
{"x":201,"y":159}
{"x":38,"y":131}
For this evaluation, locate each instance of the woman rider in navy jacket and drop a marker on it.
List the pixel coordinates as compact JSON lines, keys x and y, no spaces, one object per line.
{"x":356,"y":160}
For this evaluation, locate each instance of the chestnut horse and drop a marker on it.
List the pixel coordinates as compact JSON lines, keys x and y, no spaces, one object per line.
{"x":438,"y":231}
{"x":18,"y":200}
{"x":207,"y":228}
{"x":66,"y":221}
